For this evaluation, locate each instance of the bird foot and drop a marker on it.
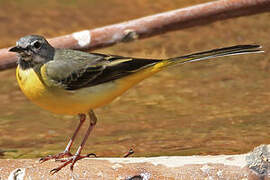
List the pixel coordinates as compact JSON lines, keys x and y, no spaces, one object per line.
{"x":71,"y":160}
{"x":56,"y":157}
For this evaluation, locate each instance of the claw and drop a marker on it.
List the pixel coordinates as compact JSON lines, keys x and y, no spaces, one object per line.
{"x":91,"y":154}
{"x":72,"y":166}
{"x":53,"y":171}
{"x":42,"y":160}
{"x":128,"y":153}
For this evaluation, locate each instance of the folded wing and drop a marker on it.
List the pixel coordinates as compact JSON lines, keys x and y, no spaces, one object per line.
{"x":85,"y":71}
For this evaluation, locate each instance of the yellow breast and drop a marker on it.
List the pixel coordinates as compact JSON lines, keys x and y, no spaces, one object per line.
{"x":31,"y":84}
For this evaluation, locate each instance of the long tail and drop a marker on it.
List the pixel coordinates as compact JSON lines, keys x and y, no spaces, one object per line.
{"x":227,"y":51}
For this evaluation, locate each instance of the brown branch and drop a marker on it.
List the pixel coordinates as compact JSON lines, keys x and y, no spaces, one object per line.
{"x":151,"y":25}
{"x":254,"y":165}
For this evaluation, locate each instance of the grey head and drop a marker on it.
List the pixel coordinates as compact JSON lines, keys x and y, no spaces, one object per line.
{"x":33,"y":51}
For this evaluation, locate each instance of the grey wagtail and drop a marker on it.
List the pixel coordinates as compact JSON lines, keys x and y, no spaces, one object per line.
{"x":66,"y":81}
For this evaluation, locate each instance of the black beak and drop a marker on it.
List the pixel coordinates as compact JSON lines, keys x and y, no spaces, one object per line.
{"x":16,"y":49}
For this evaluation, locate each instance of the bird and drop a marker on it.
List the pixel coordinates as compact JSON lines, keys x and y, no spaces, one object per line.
{"x":72,"y":82}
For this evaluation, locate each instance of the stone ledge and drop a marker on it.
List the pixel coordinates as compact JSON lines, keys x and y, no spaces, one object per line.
{"x":253,"y":165}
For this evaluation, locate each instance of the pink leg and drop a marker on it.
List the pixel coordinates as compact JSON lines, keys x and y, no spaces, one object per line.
{"x":73,"y":159}
{"x":66,"y":152}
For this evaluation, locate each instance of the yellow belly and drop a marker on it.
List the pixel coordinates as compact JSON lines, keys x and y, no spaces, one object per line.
{"x":58,"y":100}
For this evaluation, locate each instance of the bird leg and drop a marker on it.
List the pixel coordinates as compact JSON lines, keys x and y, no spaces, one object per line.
{"x":77,"y":156}
{"x":66,"y":152}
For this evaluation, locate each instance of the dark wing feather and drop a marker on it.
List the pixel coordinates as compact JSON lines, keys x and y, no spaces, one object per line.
{"x":103,"y":68}
{"x":123,"y":67}
{"x":78,"y":80}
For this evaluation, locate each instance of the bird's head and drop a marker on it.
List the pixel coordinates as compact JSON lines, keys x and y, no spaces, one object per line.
{"x":33,"y":50}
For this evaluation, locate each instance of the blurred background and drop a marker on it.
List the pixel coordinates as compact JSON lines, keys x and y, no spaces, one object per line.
{"x":210,"y":107}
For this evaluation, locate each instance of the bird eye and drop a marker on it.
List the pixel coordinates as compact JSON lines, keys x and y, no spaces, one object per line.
{"x":37,"y":44}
